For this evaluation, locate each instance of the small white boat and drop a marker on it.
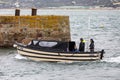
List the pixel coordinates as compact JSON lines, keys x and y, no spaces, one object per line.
{"x":55,"y":51}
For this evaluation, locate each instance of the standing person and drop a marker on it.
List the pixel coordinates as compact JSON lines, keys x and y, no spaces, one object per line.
{"x":91,"y":46}
{"x":82,"y":45}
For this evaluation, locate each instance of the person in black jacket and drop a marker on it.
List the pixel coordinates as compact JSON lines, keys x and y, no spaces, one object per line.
{"x":91,"y":46}
{"x":82,"y":45}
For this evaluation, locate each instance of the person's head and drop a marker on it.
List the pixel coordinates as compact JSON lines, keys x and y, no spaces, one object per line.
{"x":91,"y":40}
{"x":81,"y":39}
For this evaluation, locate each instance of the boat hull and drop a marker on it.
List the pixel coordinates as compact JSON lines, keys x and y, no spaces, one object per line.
{"x":38,"y":55}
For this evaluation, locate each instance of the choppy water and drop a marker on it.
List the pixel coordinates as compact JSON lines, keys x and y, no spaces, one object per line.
{"x":101,"y":25}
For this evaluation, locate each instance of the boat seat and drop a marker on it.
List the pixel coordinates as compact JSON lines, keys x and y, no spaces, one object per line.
{"x":33,"y":44}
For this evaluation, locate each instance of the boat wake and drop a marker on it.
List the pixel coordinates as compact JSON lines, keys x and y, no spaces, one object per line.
{"x":18,"y":56}
{"x":66,"y":62}
{"x":113,"y":59}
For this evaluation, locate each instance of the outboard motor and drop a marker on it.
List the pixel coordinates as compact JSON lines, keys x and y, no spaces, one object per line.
{"x":102,"y":52}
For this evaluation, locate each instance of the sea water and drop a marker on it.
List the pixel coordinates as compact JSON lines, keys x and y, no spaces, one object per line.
{"x":101,"y":25}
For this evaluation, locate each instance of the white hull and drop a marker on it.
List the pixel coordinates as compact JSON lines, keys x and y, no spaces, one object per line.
{"x":58,"y":57}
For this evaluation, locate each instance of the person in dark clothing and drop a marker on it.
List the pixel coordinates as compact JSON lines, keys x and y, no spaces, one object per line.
{"x":91,"y":46}
{"x":82,"y":45}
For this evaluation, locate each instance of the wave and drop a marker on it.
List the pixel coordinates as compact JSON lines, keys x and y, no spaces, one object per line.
{"x":18,"y":56}
{"x":67,"y":62}
{"x":113,"y":59}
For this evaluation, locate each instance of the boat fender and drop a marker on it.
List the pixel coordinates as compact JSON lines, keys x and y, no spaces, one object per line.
{"x":14,"y":45}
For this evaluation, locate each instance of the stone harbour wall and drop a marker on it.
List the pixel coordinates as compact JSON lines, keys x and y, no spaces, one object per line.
{"x":25,"y":28}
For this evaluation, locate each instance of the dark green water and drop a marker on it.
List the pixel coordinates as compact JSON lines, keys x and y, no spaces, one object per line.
{"x":101,"y":25}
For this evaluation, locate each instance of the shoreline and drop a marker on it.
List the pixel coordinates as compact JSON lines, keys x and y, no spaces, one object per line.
{"x":55,"y":8}
{"x":51,"y":9}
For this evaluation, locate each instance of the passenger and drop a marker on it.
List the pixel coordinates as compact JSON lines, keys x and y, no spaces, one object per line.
{"x":91,"y":46}
{"x":82,"y":45}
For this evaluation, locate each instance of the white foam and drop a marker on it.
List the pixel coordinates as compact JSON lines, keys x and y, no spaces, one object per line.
{"x":113,"y":59}
{"x":18,"y":56}
{"x":65,"y":62}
